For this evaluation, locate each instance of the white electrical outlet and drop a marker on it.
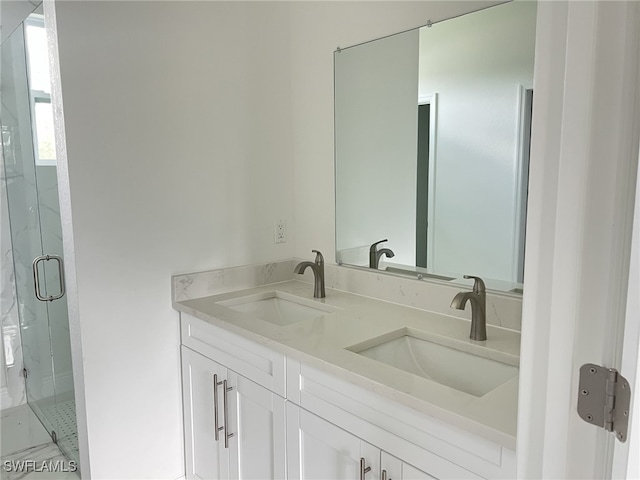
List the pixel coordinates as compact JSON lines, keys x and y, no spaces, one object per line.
{"x":280,"y":231}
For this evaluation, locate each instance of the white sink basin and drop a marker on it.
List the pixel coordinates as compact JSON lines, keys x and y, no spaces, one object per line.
{"x":464,"y":371}
{"x":279,"y":308}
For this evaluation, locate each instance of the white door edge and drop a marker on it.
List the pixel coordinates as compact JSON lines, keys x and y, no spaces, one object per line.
{"x":584,"y":157}
{"x":626,"y":456}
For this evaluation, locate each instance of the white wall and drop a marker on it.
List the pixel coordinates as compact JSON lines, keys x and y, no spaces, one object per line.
{"x":476,"y":64}
{"x":178,"y":128}
{"x":376,"y":113}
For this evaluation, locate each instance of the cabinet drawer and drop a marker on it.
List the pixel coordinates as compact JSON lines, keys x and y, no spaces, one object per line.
{"x":415,"y":437}
{"x":250,"y":359}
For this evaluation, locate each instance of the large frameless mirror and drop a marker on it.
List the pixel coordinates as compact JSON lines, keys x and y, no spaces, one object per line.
{"x":432,"y":134}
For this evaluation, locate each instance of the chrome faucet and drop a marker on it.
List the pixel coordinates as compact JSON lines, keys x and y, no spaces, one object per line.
{"x":375,"y":254}
{"x":478,"y":300}
{"x":318,"y":273}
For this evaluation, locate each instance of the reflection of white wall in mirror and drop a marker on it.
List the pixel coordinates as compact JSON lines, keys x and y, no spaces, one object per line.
{"x":380,"y":143}
{"x":477,"y":63}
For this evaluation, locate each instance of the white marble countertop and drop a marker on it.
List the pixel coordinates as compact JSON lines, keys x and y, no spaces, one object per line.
{"x":322,"y":342}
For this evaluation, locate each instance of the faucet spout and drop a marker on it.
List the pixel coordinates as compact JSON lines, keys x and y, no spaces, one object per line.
{"x":386,"y":252}
{"x":478,"y":300}
{"x":460,"y":300}
{"x":302,"y":266}
{"x":318,"y":273}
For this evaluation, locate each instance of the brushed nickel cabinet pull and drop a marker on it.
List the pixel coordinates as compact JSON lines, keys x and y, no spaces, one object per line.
{"x":363,"y":470}
{"x":227,"y":435}
{"x":217,"y":427}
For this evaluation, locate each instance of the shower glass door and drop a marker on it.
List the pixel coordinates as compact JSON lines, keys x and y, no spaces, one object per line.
{"x":32,"y":191}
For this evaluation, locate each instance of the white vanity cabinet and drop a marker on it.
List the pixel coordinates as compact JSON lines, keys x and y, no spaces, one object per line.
{"x":317,"y":449}
{"x":205,"y":454}
{"x":392,"y":468}
{"x":428,"y":447}
{"x":291,"y":420}
{"x":249,"y":417}
{"x":250,"y":421}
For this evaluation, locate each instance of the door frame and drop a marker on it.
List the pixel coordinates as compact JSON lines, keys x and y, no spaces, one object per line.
{"x":584,"y":158}
{"x":73,"y":306}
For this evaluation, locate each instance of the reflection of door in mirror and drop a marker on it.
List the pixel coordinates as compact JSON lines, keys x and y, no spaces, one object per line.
{"x":426,"y":137}
{"x":427,"y":109}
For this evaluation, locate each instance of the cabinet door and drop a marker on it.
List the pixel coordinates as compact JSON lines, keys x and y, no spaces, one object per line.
{"x":393,"y":468}
{"x":317,"y":449}
{"x":257,"y":422}
{"x":412,"y":473}
{"x":205,"y":456}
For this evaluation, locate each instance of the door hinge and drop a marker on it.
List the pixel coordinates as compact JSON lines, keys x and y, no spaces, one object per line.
{"x":25,"y":373}
{"x":604,"y":399}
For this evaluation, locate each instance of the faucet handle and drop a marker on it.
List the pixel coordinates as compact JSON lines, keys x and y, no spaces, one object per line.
{"x":478,"y":284}
{"x":319,"y":258}
{"x":374,"y":245}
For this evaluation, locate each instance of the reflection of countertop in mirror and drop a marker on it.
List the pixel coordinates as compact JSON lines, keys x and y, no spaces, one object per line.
{"x":508,"y":288}
{"x":321,"y":343}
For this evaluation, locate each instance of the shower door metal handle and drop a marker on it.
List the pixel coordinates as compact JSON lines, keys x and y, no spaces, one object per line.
{"x":36,"y":277}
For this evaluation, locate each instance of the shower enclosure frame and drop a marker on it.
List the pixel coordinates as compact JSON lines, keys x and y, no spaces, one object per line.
{"x":36,"y":237}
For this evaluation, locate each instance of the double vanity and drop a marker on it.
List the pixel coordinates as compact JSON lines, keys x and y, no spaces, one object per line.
{"x":302,"y":370}
{"x":279,"y":384}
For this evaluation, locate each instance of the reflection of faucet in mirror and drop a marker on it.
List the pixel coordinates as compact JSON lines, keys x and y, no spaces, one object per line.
{"x":375,"y":254}
{"x":478,"y":300}
{"x":318,"y":273}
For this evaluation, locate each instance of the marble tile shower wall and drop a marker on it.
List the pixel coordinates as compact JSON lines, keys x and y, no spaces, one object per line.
{"x":33,"y":190}
{"x":12,"y":388}
{"x":26,"y":243}
{"x":44,"y":325}
{"x":29,"y":226}
{"x":18,"y":163}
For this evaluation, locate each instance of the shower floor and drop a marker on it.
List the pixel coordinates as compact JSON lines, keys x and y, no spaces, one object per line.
{"x":61,"y":418}
{"x":25,"y":439}
{"x":64,"y":416}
